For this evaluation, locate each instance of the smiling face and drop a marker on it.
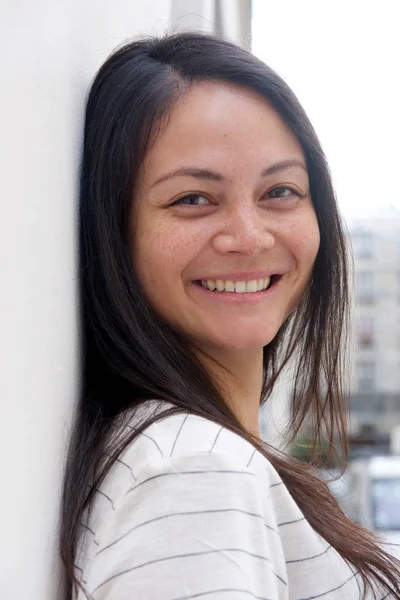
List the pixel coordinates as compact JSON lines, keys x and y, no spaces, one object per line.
{"x":223,"y":230}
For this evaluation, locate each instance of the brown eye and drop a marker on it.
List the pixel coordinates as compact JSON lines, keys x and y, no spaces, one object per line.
{"x":281,"y":192}
{"x":191,"y":200}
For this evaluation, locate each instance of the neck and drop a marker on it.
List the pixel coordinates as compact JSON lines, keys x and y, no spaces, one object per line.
{"x":238,"y":375}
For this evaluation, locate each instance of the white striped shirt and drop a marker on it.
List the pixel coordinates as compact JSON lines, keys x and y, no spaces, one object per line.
{"x":191,"y":510}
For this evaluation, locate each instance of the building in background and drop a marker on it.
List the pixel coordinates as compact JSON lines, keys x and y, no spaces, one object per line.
{"x":358,"y":128}
{"x":375,"y":344}
{"x":375,"y":385}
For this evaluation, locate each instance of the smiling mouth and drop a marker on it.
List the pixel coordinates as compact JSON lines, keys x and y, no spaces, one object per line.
{"x":239,"y":287}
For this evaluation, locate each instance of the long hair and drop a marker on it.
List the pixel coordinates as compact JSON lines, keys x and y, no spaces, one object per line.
{"x":130,"y":355}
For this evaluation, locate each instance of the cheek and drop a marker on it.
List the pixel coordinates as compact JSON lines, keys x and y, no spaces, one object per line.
{"x":311,"y":246}
{"x":148,"y":247}
{"x":161,"y":254}
{"x":155,"y":259}
{"x":303,"y":241}
{"x":315,"y":240}
{"x":308,"y":238}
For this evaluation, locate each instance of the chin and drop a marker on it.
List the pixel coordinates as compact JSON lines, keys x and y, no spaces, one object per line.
{"x":242,"y":341}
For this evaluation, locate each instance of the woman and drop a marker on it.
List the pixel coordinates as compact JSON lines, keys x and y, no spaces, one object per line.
{"x":211,"y":254}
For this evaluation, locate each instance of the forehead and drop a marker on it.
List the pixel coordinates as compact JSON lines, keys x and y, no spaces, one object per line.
{"x":221,"y":124}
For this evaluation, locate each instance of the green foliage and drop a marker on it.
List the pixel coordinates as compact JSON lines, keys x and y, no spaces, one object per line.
{"x":317,"y":454}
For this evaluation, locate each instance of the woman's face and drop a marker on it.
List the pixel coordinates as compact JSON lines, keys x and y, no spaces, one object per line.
{"x":223,"y":229}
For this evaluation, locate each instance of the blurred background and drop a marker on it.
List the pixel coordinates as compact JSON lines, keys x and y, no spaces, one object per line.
{"x":341,"y":60}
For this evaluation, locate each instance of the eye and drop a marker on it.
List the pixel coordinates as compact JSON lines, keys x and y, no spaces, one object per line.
{"x":191,"y":200}
{"x":281,"y":197}
{"x":282,"y":192}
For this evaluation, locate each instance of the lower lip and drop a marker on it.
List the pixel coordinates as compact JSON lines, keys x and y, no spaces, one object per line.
{"x":237,"y":298}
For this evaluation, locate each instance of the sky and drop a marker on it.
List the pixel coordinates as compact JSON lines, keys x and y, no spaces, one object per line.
{"x":342,"y":59}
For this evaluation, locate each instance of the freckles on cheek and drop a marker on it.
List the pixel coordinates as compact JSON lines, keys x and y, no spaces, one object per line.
{"x":167,"y":248}
{"x":165,"y":251}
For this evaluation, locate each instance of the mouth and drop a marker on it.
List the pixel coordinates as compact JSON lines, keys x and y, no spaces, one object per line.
{"x":220,"y":286}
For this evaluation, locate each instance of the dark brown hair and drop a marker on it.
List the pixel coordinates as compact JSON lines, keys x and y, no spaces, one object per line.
{"x":129,"y":355}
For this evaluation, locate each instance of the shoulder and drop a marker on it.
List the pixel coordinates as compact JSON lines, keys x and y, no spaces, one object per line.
{"x":185,"y":443}
{"x":187,"y":487}
{"x":185,"y":437}
{"x":185,"y":491}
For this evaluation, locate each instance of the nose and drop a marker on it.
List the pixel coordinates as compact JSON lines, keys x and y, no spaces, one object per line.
{"x":245,"y":231}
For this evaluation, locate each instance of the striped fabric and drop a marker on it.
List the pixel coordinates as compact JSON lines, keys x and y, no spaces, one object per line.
{"x":191,"y":510}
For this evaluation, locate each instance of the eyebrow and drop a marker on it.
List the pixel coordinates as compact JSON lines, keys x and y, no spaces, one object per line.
{"x":217,"y":177}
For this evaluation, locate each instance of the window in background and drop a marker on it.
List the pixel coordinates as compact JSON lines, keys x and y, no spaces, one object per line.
{"x":362,"y":242}
{"x":385,"y":504}
{"x":366,"y":331}
{"x":365,"y":287}
{"x":366,"y":376}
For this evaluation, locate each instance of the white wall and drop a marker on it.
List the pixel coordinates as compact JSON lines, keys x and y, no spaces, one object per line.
{"x":50,"y":50}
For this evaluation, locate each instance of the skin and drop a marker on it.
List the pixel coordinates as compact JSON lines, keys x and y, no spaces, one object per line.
{"x":245,"y":221}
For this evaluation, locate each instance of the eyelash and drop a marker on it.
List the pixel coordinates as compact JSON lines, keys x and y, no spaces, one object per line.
{"x":179,"y":201}
{"x":283,"y":187}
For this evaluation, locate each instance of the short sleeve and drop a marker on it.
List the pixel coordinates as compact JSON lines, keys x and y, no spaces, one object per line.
{"x":196,"y":526}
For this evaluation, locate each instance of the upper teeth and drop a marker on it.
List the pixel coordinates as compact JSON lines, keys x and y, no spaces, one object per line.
{"x":240,"y":287}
